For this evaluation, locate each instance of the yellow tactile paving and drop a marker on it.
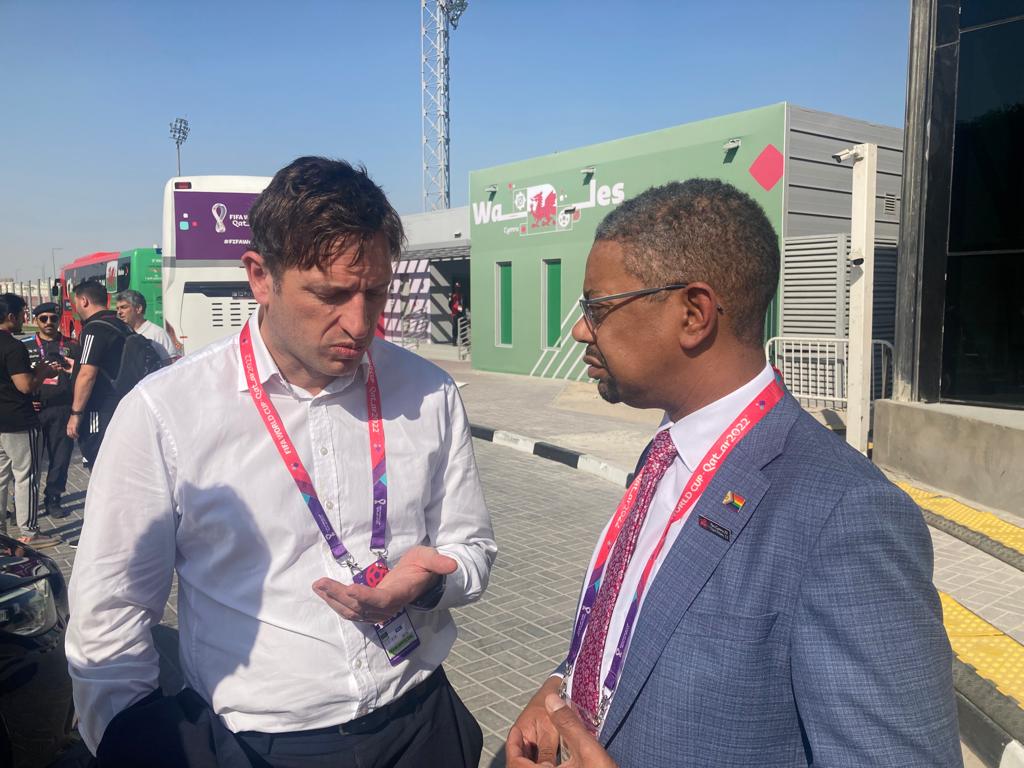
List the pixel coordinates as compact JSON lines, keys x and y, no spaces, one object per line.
{"x":997,"y":529}
{"x":995,"y":656}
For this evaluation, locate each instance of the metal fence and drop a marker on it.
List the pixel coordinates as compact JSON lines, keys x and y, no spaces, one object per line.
{"x":462,"y":340}
{"x":414,"y":328}
{"x":815,"y":368}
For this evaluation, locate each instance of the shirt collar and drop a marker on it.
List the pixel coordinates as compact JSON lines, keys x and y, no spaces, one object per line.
{"x":693,"y":435}
{"x":267,"y":368}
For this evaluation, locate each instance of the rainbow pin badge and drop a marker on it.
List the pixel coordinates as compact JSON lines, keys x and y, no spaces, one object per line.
{"x":734,"y":500}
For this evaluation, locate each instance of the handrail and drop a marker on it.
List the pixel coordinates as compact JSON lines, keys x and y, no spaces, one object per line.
{"x":815,"y":368}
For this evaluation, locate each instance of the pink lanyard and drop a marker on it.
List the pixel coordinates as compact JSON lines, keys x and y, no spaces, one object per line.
{"x":700,"y":479}
{"x":378,"y":455}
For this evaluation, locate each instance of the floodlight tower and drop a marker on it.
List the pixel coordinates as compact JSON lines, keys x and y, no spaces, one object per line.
{"x":435,"y":18}
{"x":179,"y":132}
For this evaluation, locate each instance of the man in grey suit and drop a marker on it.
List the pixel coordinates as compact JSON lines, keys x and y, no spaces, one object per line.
{"x":763,"y":595}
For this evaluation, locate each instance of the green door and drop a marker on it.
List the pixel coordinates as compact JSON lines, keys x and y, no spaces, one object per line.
{"x":505,"y":303}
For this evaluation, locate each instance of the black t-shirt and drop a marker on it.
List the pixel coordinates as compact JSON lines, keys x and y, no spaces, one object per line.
{"x":102,"y":346}
{"x":57,"y":390}
{"x":16,"y":411}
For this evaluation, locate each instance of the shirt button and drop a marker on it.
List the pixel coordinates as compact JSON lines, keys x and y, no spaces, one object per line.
{"x":359,"y":664}
{"x":323,"y":451}
{"x":330,"y":505}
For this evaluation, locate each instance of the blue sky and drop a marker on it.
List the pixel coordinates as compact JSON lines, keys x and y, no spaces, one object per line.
{"x":87,"y":90}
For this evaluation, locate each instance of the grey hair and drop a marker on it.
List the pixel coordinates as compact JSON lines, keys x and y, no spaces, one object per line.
{"x":702,"y":230}
{"x":134,"y":298}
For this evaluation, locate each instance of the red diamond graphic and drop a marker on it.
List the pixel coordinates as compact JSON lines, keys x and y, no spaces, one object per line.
{"x":768,"y":167}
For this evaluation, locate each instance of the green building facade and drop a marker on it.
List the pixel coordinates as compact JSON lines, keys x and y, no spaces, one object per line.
{"x":532,"y":224}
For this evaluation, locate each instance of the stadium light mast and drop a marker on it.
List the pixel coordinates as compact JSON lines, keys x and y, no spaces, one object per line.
{"x":435,"y":18}
{"x":179,"y":132}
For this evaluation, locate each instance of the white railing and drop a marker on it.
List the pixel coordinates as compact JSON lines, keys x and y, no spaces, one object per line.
{"x":814,"y":368}
{"x":413,"y":329}
{"x":462,"y":339}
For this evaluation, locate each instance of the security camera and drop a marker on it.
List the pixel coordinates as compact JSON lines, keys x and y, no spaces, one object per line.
{"x":857,"y":262}
{"x":845,"y":154}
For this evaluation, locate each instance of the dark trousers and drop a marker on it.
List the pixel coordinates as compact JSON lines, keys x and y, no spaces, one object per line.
{"x":91,"y":429}
{"x":58,"y":447}
{"x":428,"y":726}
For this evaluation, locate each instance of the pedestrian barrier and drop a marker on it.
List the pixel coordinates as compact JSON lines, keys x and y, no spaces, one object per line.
{"x":815,"y":368}
{"x":413,"y":329}
{"x":463,"y":338}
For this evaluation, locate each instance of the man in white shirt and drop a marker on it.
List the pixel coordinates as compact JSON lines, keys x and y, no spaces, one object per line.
{"x":131,"y":309}
{"x":272,"y":471}
{"x":762,"y":595}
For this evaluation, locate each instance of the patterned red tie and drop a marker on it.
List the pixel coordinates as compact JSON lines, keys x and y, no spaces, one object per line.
{"x":586,"y":672}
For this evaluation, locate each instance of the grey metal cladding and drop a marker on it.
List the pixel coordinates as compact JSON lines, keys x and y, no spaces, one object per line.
{"x":815,"y":291}
{"x":818,"y":194}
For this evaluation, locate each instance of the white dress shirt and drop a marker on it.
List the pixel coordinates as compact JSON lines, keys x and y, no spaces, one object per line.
{"x":161,"y":341}
{"x":693,"y":436}
{"x":189,"y":480}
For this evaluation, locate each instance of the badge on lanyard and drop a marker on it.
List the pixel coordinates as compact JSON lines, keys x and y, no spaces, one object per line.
{"x":397,"y":635}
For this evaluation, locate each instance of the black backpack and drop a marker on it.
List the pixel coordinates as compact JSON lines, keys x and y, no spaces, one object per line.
{"x":138,"y":359}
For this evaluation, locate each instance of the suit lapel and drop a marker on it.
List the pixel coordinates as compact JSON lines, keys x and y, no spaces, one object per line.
{"x":710,"y":530}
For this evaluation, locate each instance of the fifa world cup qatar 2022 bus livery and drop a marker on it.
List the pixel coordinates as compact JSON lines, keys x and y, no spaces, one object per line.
{"x":205,"y":232}
{"x":138,"y":269}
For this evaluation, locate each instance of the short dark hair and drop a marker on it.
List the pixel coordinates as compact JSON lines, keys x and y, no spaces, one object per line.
{"x":13,"y":305}
{"x":95,"y":292}
{"x":314,"y":206}
{"x":702,"y":230}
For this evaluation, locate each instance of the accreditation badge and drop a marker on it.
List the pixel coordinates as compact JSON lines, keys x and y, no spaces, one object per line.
{"x":397,"y":635}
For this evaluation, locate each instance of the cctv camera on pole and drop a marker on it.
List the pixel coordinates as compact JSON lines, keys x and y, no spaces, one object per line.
{"x":862,"y":286}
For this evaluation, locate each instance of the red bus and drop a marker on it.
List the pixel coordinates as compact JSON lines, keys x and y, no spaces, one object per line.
{"x":91,"y":267}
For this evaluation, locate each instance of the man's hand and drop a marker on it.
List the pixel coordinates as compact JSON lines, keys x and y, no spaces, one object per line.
{"x":73,"y":427}
{"x":533,"y":739}
{"x":585,"y":751}
{"x":414,"y":574}
{"x":44,"y":369}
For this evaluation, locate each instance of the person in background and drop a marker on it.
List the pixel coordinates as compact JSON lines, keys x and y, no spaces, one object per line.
{"x":457,"y":307}
{"x":53,"y":400}
{"x":131,"y":309}
{"x":20,"y":434}
{"x":102,"y":341}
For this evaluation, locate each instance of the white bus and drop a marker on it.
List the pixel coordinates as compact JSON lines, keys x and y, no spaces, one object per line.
{"x":205,"y":233}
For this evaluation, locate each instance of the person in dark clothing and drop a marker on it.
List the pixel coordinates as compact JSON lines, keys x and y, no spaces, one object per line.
{"x":102,"y":340}
{"x":19,"y":426}
{"x":53,"y":400}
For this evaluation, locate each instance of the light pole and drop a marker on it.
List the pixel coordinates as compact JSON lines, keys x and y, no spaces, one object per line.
{"x":179,"y":132}
{"x":53,"y":260}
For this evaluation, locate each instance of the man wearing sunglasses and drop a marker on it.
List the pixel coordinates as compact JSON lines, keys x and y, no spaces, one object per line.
{"x":763,"y":594}
{"x":53,"y":400}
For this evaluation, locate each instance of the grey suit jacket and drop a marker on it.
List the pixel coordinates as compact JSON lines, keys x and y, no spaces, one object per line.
{"x":812,"y":636}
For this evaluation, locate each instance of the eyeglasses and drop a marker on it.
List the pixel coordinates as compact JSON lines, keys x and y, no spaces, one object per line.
{"x":594,"y":319}
{"x":47,"y":318}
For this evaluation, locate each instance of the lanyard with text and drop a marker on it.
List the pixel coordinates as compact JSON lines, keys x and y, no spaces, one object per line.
{"x":378,"y":459}
{"x":699,"y":480}
{"x":397,"y":635}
